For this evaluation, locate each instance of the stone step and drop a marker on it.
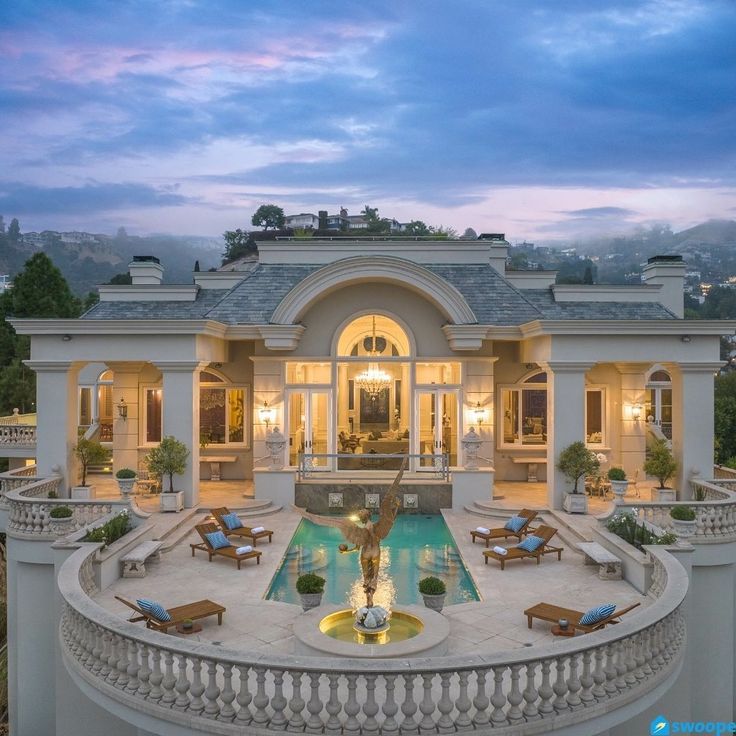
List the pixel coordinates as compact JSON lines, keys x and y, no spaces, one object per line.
{"x":185,"y":521}
{"x":561,"y":521}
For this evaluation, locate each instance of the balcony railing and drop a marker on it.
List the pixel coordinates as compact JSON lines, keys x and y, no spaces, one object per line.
{"x":26,"y":499}
{"x":325,"y":462}
{"x":715,"y":511}
{"x":527,"y":691}
{"x":17,"y":435}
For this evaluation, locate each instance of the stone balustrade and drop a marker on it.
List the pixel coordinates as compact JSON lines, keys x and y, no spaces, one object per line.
{"x":29,"y":507}
{"x":715,"y":512}
{"x":17,"y":435}
{"x":529,"y":691}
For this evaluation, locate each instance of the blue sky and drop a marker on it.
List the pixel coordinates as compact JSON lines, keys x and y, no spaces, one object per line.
{"x":542,"y":119}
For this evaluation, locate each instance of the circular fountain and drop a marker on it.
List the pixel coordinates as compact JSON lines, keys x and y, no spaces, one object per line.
{"x":332,"y":631}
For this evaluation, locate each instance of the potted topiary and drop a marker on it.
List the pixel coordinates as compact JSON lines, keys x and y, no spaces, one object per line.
{"x":662,"y":466}
{"x":62,"y":520}
{"x":169,"y":458}
{"x":619,"y":483}
{"x":683,"y":520}
{"x":433,"y":592}
{"x":310,"y":588}
{"x":126,"y":479}
{"x":88,"y":452}
{"x":575,"y":462}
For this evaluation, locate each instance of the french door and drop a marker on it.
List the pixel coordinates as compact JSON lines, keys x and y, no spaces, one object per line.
{"x":310,"y":425}
{"x":437,"y":412}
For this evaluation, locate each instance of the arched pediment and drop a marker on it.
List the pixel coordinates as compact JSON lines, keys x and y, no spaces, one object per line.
{"x":365,"y":269}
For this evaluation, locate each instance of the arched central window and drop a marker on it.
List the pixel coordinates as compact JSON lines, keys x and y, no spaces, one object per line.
{"x":356,"y":339}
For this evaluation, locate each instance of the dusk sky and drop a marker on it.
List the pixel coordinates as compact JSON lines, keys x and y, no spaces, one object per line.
{"x":542,"y":119}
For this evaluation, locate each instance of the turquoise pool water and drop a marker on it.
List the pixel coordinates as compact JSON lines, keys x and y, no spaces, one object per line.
{"x":416,"y":547}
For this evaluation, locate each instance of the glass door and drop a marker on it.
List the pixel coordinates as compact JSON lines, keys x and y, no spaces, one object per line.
{"x":437,"y":426}
{"x":310,"y":425}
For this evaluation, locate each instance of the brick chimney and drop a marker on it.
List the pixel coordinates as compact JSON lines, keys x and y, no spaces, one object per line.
{"x":146,"y":270}
{"x":669,"y":273}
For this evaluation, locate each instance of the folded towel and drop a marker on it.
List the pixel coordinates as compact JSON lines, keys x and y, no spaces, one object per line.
{"x":257,"y":529}
{"x":243,"y":550}
{"x":482,"y":530}
{"x":500,"y":551}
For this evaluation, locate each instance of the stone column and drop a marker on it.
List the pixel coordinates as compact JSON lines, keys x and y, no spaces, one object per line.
{"x":181,"y":418}
{"x":692,"y":422}
{"x":56,"y":403}
{"x":633,"y":432}
{"x":565,"y":421}
{"x":125,"y":431}
{"x":478,"y":389}
{"x":267,"y":386}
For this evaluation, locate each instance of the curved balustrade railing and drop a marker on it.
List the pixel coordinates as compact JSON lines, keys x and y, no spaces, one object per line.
{"x":529,"y":691}
{"x":29,"y":507}
{"x":715,"y":511}
{"x":17,"y":435}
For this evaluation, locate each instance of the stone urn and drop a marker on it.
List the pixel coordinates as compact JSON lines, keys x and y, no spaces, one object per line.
{"x":275,"y":444}
{"x":471,"y":443}
{"x":62,"y":527}
{"x":619,"y":488}
{"x":684,"y":529}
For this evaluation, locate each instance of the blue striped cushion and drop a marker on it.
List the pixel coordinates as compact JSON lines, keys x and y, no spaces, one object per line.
{"x":515,"y":523}
{"x":531,"y":543}
{"x":154,"y":609}
{"x":232,"y":521}
{"x":597,"y":614}
{"x":217,"y":540}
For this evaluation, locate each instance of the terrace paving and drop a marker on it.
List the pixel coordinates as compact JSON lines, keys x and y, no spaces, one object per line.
{"x":253,"y":624}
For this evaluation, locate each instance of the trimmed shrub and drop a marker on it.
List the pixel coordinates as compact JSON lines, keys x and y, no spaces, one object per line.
{"x":60,"y":512}
{"x":125,"y":473}
{"x":682,"y":513}
{"x":616,"y":474}
{"x":310,"y":583}
{"x":432,"y":586}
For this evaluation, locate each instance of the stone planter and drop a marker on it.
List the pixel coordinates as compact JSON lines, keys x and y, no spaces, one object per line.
{"x":310,"y":600}
{"x":434,"y":602}
{"x":82,"y":493}
{"x":684,"y":529}
{"x":125,"y":485}
{"x":575,"y":503}
{"x":619,"y":488}
{"x":172,"y":501}
{"x":665,"y":495}
{"x":62,"y":527}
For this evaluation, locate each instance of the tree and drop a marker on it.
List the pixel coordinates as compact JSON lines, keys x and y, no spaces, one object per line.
{"x":238,"y":243}
{"x":376,"y":224}
{"x":416,"y":227}
{"x":40,"y":290}
{"x":470,"y":234}
{"x":588,"y":275}
{"x":660,"y":462}
{"x":14,"y":231}
{"x":169,"y":458}
{"x":576,"y":461}
{"x":89,"y":452}
{"x":725,"y":417}
{"x":268,"y":215}
{"x":17,"y":388}
{"x":121,"y":279}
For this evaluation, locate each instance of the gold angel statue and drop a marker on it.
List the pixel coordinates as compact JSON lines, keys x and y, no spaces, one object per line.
{"x":365,"y":535}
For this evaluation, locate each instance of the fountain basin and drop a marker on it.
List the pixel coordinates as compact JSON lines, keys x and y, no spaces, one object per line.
{"x":328,"y":631}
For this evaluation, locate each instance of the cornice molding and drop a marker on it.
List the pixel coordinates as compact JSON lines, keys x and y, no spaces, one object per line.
{"x":629,"y":327}
{"x":281,"y":337}
{"x":61,"y":327}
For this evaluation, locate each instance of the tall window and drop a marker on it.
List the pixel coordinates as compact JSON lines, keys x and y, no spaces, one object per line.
{"x":525,"y":412}
{"x":659,"y":401}
{"x":154,"y":417}
{"x":221,"y":411}
{"x":595,"y":424}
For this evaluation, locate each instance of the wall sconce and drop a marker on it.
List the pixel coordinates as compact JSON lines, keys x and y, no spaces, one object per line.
{"x":636,"y":412}
{"x":266,"y":414}
{"x":66,"y":338}
{"x":479,"y":413}
{"x":122,"y":409}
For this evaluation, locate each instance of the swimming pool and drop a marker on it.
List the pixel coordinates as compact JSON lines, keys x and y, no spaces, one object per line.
{"x":417,"y":546}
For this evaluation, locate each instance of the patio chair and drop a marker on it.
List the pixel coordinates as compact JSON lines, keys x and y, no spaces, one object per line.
{"x":230,"y":552}
{"x":502,"y":532}
{"x":552,"y":613}
{"x":147,"y":480}
{"x":192,"y":611}
{"x":240,"y":531}
{"x":514,"y":553}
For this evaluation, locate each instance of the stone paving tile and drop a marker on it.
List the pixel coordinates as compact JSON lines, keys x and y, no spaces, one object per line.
{"x":252,"y":624}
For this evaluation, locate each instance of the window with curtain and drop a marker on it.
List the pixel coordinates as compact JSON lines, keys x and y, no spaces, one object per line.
{"x":595,"y":416}
{"x":525,"y":412}
{"x":154,"y":416}
{"x":221,"y":412}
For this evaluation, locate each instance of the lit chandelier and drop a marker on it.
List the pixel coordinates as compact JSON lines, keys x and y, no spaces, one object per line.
{"x":373,"y":380}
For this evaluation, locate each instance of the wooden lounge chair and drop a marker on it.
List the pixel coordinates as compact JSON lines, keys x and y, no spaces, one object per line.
{"x":241,"y":531}
{"x":192,"y":611}
{"x":502,"y":533}
{"x":514,"y":553}
{"x":229,"y":552}
{"x":552,"y":613}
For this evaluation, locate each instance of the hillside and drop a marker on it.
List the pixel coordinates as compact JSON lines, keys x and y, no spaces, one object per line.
{"x":712,"y":232}
{"x":87,"y":260}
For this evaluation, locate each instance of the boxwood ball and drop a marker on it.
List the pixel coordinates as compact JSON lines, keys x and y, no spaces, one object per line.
{"x":343,"y":548}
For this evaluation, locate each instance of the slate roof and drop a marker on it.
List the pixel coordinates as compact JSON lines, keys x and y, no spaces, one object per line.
{"x":492,"y":298}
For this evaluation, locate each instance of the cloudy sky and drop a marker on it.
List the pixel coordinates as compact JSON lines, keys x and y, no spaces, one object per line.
{"x":542,"y":119}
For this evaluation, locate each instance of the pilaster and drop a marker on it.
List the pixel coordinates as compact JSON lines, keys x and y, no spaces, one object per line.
{"x":125,"y":430}
{"x":632,"y":431}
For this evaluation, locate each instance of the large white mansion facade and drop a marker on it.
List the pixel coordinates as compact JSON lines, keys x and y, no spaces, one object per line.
{"x":359,"y":350}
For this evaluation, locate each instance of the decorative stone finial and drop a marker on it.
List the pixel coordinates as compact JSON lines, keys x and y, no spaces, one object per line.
{"x":275,"y":444}
{"x":471,"y":443}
